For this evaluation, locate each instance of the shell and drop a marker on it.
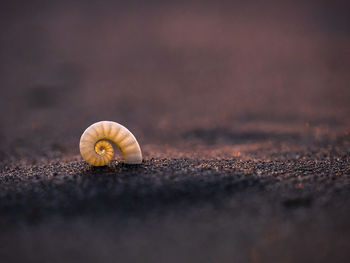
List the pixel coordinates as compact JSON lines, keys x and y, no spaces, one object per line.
{"x":96,"y":144}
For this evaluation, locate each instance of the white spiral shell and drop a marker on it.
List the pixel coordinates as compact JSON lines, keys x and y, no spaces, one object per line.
{"x":96,"y":144}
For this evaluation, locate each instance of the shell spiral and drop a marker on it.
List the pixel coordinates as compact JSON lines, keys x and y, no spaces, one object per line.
{"x":96,"y":144}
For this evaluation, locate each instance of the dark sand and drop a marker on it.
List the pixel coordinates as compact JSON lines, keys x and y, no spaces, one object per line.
{"x":241,"y":110}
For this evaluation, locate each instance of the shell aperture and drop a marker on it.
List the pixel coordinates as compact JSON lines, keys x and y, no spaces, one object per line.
{"x":96,"y":144}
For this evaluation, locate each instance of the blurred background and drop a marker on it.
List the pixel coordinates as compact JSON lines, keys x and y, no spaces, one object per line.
{"x":169,"y":70}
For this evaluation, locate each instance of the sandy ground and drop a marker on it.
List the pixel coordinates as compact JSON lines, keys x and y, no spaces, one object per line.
{"x":241,"y":110}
